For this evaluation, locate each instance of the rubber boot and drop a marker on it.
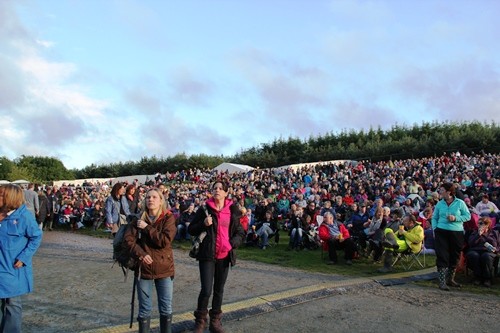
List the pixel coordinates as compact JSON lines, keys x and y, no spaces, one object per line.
{"x":388,"y":257}
{"x":215,"y":322}
{"x":166,"y":323}
{"x":450,"y":278}
{"x":144,"y":325}
{"x":442,"y":273}
{"x":200,"y":321}
{"x":390,"y":241}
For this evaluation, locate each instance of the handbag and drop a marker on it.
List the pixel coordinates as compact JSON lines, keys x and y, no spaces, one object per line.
{"x":195,"y":248}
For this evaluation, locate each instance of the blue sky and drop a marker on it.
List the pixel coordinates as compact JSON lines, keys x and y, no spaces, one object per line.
{"x":102,"y":81}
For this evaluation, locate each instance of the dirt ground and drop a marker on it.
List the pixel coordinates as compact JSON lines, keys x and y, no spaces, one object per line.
{"x":78,"y":289}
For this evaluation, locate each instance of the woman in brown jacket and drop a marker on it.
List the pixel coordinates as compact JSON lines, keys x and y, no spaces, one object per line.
{"x":150,"y":241}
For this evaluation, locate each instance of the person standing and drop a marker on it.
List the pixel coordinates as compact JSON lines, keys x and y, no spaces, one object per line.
{"x":448,"y":218}
{"x":150,"y":241}
{"x":20,"y":237}
{"x":44,"y":209}
{"x":220,"y":219}
{"x":116,"y":207}
{"x":31,"y":199}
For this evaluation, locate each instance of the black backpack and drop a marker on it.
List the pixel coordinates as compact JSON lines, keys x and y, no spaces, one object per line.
{"x":121,"y":252}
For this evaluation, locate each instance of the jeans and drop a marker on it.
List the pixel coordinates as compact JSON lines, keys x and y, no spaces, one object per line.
{"x":296,"y":237}
{"x":212,"y":274}
{"x":182,"y":230}
{"x":11,"y":315}
{"x":264,"y":232}
{"x":481,"y":262}
{"x":164,"y":292}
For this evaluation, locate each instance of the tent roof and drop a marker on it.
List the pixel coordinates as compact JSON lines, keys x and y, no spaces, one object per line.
{"x":232,"y":167}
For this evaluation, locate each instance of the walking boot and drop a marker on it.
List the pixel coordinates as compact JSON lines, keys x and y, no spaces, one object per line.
{"x":215,"y":322}
{"x":442,"y":272}
{"x":200,"y":321}
{"x":388,"y":256}
{"x":166,"y":323}
{"x":144,"y":325}
{"x":450,"y":278}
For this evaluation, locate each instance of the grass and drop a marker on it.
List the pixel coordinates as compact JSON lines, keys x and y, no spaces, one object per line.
{"x":315,"y":262}
{"x":309,"y":260}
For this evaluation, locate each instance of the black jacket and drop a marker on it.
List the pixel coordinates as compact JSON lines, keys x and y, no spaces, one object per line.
{"x":207,"y":247}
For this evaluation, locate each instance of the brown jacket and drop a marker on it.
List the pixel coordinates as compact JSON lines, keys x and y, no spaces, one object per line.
{"x":156,"y":240}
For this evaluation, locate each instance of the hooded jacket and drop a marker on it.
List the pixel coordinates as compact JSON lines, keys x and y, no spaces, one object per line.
{"x":207,"y":247}
{"x":20,"y":237}
{"x":156,"y":240}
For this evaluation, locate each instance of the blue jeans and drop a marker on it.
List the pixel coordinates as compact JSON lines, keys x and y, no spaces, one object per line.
{"x":182,"y":230}
{"x":264,"y":232}
{"x":11,"y":315}
{"x":296,"y":237}
{"x":164,"y":292}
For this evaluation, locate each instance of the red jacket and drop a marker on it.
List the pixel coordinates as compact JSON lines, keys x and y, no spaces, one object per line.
{"x":324,"y":232}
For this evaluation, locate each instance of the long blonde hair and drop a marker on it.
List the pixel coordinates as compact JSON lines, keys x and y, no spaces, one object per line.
{"x":145,"y":212}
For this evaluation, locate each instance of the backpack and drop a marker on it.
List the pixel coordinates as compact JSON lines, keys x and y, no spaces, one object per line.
{"x":121,"y":252}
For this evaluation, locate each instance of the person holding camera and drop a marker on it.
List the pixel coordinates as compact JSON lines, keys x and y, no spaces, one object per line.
{"x":150,"y":241}
{"x":220,"y":219}
{"x":483,"y":247}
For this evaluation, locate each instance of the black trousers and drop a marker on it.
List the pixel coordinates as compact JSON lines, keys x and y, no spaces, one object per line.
{"x":448,"y":245}
{"x":213,"y":275}
{"x":347,"y":245}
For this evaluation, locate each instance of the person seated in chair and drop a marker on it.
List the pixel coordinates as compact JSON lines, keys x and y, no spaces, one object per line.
{"x":389,"y":226}
{"x":480,"y":256}
{"x":337,"y":236}
{"x":266,"y":228}
{"x":409,"y":237}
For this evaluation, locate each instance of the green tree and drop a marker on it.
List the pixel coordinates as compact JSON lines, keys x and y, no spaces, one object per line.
{"x":44,"y":169}
{"x":6,"y":167}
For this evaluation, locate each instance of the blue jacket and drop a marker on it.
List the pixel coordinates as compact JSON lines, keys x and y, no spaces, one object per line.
{"x":113,"y":208}
{"x":458,"y":208}
{"x":20,"y":237}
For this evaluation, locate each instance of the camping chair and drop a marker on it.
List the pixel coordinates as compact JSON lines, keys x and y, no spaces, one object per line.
{"x":408,"y":259}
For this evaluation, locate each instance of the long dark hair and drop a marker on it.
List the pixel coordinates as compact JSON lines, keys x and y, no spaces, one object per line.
{"x":114,"y":191}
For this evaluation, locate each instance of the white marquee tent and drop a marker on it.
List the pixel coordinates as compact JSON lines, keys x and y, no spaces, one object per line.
{"x":232,"y":167}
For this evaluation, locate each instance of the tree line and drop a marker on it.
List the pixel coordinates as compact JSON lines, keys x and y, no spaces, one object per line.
{"x":398,"y":142}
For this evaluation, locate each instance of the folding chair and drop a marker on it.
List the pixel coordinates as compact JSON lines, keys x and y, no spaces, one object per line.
{"x":408,"y":258}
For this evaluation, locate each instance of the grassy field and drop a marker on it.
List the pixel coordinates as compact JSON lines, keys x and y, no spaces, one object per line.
{"x":316,"y":261}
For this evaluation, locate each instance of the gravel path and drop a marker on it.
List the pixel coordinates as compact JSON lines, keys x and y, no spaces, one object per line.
{"x":78,"y":289}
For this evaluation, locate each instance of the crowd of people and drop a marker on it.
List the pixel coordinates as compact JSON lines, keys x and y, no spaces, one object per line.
{"x":447,"y":204}
{"x":363,"y":196}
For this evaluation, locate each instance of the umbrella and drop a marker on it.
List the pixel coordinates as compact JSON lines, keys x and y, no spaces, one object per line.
{"x":20,"y":182}
{"x":3,"y":182}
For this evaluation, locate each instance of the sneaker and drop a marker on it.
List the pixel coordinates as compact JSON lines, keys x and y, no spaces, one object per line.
{"x":348,"y":262}
{"x":264,"y":247}
{"x":476,"y":282}
{"x":487,"y":283}
{"x":331,"y":262}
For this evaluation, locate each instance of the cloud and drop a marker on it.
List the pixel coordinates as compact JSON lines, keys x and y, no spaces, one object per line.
{"x":287,"y":91}
{"x":190,"y":89}
{"x":463,"y":90}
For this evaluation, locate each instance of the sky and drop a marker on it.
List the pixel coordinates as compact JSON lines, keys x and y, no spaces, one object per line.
{"x":108,"y":81}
